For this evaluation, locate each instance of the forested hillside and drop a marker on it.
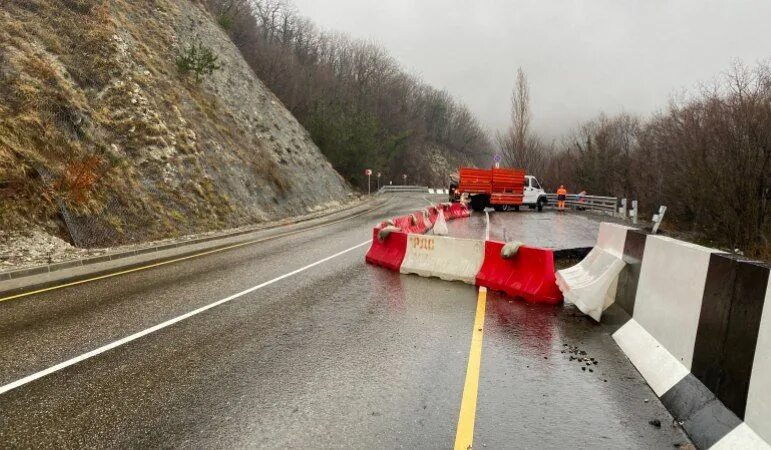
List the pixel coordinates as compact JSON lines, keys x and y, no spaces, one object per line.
{"x":706,"y":156}
{"x":360,"y":107}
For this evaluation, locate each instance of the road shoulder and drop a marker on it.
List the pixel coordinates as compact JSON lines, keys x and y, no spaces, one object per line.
{"x":29,"y":280}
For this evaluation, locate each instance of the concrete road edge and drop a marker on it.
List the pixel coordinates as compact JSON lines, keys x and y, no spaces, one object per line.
{"x":46,"y":276}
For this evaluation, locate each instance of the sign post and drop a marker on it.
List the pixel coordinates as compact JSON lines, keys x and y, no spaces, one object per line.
{"x":368,"y":173}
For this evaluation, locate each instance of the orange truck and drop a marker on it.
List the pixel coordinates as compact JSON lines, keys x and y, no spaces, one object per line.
{"x":503,"y":189}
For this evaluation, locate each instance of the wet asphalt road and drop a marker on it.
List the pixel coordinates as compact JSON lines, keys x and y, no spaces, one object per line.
{"x":341,"y":355}
{"x":550,"y":228}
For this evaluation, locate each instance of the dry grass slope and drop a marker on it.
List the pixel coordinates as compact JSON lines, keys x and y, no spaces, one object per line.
{"x":102,"y":141}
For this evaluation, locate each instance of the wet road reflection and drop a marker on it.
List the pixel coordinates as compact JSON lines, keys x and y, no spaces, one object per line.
{"x":546,"y":229}
{"x":552,"y":378}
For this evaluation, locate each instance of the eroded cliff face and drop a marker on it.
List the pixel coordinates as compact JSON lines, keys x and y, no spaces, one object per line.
{"x":103,"y":140}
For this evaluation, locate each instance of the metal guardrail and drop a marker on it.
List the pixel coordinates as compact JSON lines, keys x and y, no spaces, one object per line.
{"x":589,"y":202}
{"x":393,"y":188}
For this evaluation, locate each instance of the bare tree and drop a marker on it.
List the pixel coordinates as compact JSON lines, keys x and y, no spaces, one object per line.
{"x":520,"y":110}
{"x":518,"y":146}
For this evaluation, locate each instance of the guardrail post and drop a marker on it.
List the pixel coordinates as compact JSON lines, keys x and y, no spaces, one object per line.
{"x":657,"y":218}
{"x":622,"y":209}
{"x":634,"y":212}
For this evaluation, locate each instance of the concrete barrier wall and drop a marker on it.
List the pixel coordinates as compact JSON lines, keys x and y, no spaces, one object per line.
{"x":612,"y":237}
{"x":758,"y":411}
{"x":669,"y":293}
{"x":728,"y":330}
{"x":700,"y":334}
{"x":634,"y":247}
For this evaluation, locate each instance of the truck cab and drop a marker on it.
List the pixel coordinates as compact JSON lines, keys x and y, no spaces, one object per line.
{"x":533,"y":194}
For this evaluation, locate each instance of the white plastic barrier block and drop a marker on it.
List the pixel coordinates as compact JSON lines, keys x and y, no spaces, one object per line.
{"x":758,"y":412}
{"x":591,"y":284}
{"x":670,"y":291}
{"x":444,"y":257}
{"x":582,"y":266}
{"x":430,"y":191}
{"x":659,"y":368}
{"x":446,"y":191}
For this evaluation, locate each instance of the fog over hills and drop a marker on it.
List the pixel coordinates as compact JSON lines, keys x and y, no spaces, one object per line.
{"x":581,"y":57}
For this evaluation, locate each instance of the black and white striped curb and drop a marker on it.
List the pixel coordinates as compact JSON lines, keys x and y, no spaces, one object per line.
{"x":699,"y":331}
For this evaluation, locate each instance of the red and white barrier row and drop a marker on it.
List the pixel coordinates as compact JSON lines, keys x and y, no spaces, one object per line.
{"x":421,"y":221}
{"x":528,"y":273}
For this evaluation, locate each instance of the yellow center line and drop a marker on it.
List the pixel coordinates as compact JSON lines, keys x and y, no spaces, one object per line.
{"x":171,"y":261}
{"x":464,"y":436}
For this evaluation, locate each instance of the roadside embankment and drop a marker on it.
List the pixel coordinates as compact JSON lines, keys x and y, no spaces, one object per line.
{"x":126,"y":258}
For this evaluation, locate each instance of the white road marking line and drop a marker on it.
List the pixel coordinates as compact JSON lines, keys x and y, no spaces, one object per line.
{"x":487,"y":226}
{"x":160,"y":326}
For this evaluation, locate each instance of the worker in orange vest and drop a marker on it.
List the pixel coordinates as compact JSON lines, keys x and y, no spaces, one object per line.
{"x":562,"y":194}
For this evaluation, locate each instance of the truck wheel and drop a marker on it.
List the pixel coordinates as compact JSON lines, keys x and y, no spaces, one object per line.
{"x":498,"y":208}
{"x":516,"y":207}
{"x":539,"y":205}
{"x":479,"y":203}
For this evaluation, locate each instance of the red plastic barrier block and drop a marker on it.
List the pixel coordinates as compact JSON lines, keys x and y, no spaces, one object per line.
{"x":450,"y":212}
{"x":407,"y":224}
{"x":458,"y":210}
{"x":403,"y":223}
{"x":420,"y":226}
{"x":390,"y":252}
{"x":433,"y":213}
{"x":529,"y":274}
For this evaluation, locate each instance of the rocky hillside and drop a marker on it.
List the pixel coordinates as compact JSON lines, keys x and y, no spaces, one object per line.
{"x":104,"y":141}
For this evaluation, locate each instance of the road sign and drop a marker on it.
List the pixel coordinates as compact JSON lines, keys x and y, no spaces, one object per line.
{"x":497,"y":158}
{"x":368,"y":173}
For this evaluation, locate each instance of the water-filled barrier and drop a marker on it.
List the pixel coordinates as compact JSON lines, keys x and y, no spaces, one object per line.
{"x":526,"y":274}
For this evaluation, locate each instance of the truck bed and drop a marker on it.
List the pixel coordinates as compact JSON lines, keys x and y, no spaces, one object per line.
{"x":505,"y":186}
{"x":508,"y":180}
{"x":475,"y":181}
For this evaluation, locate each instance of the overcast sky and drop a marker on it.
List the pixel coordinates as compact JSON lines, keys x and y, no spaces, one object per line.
{"x":582,"y":57}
